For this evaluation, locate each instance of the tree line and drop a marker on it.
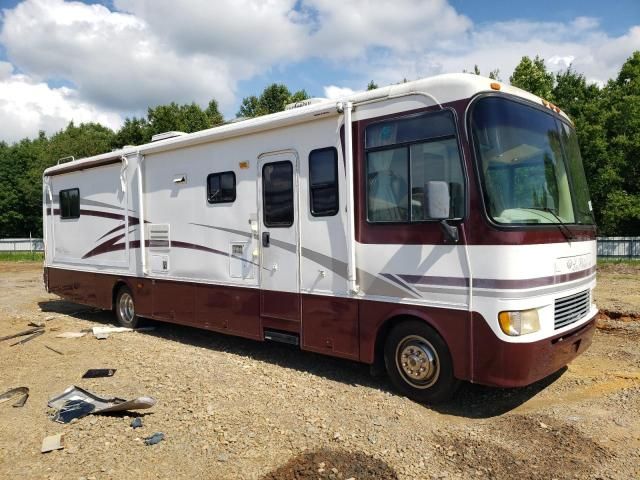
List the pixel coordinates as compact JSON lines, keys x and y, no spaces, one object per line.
{"x":607,"y":119}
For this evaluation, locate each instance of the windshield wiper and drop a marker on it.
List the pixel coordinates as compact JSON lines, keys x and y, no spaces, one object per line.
{"x":568,"y":234}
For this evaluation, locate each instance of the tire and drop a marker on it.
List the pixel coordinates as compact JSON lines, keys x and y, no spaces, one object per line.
{"x":418,"y":363}
{"x":125,"y":308}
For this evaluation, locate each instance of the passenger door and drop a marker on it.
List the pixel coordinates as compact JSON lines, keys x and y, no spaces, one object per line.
{"x":279,"y":240}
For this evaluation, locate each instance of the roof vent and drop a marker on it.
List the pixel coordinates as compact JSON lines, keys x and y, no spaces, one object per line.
{"x":166,"y":135}
{"x":305,"y":103}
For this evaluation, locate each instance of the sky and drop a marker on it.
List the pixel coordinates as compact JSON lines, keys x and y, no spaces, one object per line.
{"x":104,"y":61}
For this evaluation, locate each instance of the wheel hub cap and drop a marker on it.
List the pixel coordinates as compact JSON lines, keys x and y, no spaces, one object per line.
{"x":127,"y":312}
{"x":418,"y":361}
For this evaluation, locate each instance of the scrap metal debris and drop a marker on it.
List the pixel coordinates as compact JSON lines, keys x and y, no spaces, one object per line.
{"x":102,"y":405}
{"x":30,"y":337}
{"x":20,"y":334}
{"x":9,"y":394}
{"x":53,"y":442}
{"x":99,"y":372}
{"x":73,"y":409}
{"x":54,"y":350}
{"x":155,"y":438}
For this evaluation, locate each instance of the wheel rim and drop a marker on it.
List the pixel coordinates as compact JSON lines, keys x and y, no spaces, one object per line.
{"x":126,"y":308}
{"x":417,"y":361}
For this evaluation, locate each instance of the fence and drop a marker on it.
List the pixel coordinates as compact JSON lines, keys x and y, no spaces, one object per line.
{"x":619,"y":247}
{"x":21,"y":245}
{"x":608,"y":247}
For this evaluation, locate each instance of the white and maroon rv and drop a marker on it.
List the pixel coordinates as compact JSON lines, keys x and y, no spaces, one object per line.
{"x":440,"y":227}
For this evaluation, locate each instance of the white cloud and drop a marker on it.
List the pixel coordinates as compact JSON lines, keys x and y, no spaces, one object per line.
{"x":235,"y":30}
{"x":27,"y":106}
{"x":335,"y":93}
{"x":502,"y":45}
{"x":143,"y":53}
{"x":113,"y":59}
{"x":347,"y":29}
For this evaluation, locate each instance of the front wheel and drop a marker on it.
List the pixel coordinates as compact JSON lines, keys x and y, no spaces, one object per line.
{"x":418,"y":362}
{"x":126,"y":309}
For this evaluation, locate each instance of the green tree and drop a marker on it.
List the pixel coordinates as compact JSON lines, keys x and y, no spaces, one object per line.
{"x":372,"y":85}
{"x":274,"y":98}
{"x":621,"y":212}
{"x":493,"y":74}
{"x":165,"y":118}
{"x":250,"y":107}
{"x":213,"y":114}
{"x":183,"y":118}
{"x":532,"y":76}
{"x":583,"y":102}
{"x":134,"y":131}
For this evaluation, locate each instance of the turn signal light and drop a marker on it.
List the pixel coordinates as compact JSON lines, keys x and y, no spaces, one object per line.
{"x":519,"y":323}
{"x":495,"y":85}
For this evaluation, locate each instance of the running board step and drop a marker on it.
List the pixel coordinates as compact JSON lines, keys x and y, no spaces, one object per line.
{"x":282,"y":337}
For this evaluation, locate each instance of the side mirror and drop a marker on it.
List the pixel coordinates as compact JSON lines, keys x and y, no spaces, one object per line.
{"x":438,"y":200}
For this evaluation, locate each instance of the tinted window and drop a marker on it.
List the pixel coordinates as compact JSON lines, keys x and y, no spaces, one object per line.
{"x":277,"y":191}
{"x":530,"y":164}
{"x":323,"y":182}
{"x":398,"y":176}
{"x":70,"y":203}
{"x":388,"y":185}
{"x":221,"y":187}
{"x":410,"y":129}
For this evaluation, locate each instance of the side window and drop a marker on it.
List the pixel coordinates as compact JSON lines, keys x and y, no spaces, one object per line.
{"x":70,"y":203}
{"x":277,"y":191}
{"x":403,"y":157}
{"x":323,"y":182}
{"x":221,"y":187}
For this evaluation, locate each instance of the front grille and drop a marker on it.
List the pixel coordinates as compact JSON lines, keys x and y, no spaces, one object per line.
{"x":568,"y":310}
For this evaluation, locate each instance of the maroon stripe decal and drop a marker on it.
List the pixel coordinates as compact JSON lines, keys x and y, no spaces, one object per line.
{"x":397,"y":281}
{"x":532,"y":282}
{"x":111,"y":245}
{"x":119,"y":227}
{"x":132,"y":222}
{"x":91,"y":213}
{"x":97,"y":213}
{"x":498,"y":283}
{"x":108,"y":246}
{"x":441,"y":281}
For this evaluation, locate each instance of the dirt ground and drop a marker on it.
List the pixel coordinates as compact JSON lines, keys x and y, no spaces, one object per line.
{"x":236,"y":409}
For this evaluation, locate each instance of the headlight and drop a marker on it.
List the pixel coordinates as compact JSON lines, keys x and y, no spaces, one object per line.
{"x":519,"y":323}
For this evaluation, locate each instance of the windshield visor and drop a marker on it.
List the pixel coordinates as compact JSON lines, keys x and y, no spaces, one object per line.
{"x":530,"y":165}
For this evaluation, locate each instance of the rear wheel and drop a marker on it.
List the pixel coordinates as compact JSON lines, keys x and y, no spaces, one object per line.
{"x":418,"y":362}
{"x":125,"y":308}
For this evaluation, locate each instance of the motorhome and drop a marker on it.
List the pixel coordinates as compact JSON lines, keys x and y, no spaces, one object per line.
{"x":440,"y":229}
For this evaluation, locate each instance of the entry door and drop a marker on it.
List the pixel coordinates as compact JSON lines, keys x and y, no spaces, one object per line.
{"x":278,"y":239}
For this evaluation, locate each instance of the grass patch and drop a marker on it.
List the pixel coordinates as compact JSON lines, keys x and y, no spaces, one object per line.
{"x":618,"y":261}
{"x":21,"y":256}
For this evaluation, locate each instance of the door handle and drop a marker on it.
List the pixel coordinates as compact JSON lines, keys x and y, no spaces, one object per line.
{"x":265,"y":239}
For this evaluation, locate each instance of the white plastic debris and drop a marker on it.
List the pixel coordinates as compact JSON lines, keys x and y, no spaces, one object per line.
{"x":71,"y":335}
{"x":103,"y":332}
{"x":53,"y":442}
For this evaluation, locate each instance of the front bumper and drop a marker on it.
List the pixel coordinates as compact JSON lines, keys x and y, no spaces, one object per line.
{"x":503,"y":364}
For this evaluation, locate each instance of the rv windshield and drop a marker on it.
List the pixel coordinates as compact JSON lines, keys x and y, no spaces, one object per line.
{"x":530,"y":164}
